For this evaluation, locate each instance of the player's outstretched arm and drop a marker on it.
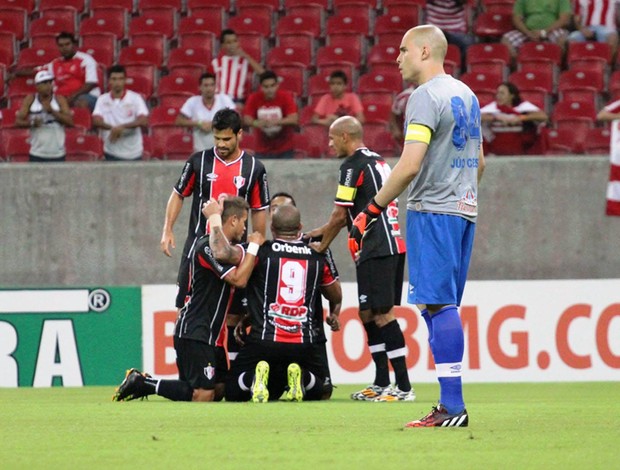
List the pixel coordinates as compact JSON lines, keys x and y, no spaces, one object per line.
{"x":333,"y":293}
{"x":329,"y":231}
{"x":240,"y":276}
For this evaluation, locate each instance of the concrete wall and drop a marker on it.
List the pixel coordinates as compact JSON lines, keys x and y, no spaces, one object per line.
{"x":100,"y":223}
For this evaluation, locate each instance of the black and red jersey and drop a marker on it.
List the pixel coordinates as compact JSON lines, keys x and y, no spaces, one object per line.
{"x":204,"y":312}
{"x":361,"y":177}
{"x":283,"y":292}
{"x":205,"y":175}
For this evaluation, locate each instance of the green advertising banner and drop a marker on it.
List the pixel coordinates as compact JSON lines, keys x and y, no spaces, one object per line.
{"x":69,"y":337}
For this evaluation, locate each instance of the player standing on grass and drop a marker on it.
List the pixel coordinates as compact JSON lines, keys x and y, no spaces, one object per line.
{"x":380,"y":266}
{"x":201,"y":358}
{"x":442,"y":162}
{"x":222,"y":170}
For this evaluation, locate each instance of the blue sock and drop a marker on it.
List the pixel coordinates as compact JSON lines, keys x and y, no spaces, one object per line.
{"x":429,"y":324}
{"x":447,"y":345}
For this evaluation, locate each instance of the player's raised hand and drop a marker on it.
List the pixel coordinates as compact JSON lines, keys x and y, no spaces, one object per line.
{"x":256,"y":237}
{"x":361,"y":225}
{"x":212,"y":207}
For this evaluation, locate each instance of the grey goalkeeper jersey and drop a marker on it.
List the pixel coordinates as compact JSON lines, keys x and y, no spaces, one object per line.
{"x":448,"y":179}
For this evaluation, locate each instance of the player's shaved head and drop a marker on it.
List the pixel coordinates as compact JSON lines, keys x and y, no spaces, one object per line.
{"x":430,"y":36}
{"x":347,"y":125}
{"x":286,"y":221}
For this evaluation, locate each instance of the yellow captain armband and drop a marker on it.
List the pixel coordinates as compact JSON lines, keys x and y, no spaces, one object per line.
{"x":345,"y":193}
{"x":418,"y":132}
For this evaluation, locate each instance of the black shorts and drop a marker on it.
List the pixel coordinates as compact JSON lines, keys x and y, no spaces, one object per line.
{"x":199,"y":364}
{"x":279,"y":355}
{"x":380,"y":282}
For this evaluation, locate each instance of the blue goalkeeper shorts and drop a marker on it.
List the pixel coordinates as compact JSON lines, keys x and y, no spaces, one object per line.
{"x":438,"y":251}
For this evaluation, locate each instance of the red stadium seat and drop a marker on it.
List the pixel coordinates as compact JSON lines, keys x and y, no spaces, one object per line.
{"x":50,"y":26}
{"x":27,"y":5}
{"x":312,"y":141}
{"x":292,"y":79}
{"x":348,"y":24}
{"x":251,"y":24}
{"x":252,"y":44}
{"x":8,"y":48}
{"x":492,"y":25}
{"x":82,"y":119}
{"x":151,"y":23}
{"x":192,"y":5}
{"x":179,"y":146}
{"x":288,"y":4}
{"x":83,"y":147}
{"x":63,"y":14}
{"x":102,"y":47}
{"x":488,"y":57}
{"x":575,"y":116}
{"x":375,"y":82}
{"x":539,"y":97}
{"x":125,"y":4}
{"x":563,"y":141}
{"x":34,"y":57}
{"x":18,"y":88}
{"x":397,"y":22}
{"x":377,"y":112}
{"x":376,"y":97}
{"x":174,"y":100}
{"x":78,"y":5}
{"x":134,"y":55}
{"x":339,"y":3}
{"x":478,"y":82}
{"x":304,"y":41}
{"x":589,"y":55}
{"x":162,"y":125}
{"x":585,"y":83}
{"x":383,"y":54}
{"x":296,"y":24}
{"x":540,"y":56}
{"x":305,"y":115}
{"x":379,"y":139}
{"x":189,"y":56}
{"x":289,"y":56}
{"x":141,"y":79}
{"x":105,"y":21}
{"x":314,"y":11}
{"x":14,"y":20}
{"x":44,"y":41}
{"x":210,"y":21}
{"x":274,"y":4}
{"x":337,"y":56}
{"x":16,"y":145}
{"x":147,"y":143}
{"x":530,"y":80}
{"x":175,"y":84}
{"x":143,"y":5}
{"x":598,"y":141}
{"x":452,"y":62}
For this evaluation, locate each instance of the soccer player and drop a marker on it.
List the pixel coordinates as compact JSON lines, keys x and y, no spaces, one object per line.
{"x":442,"y":163}
{"x":281,"y":198}
{"x":281,"y":347}
{"x":380,"y":267}
{"x":201,"y":358}
{"x":223,"y":169}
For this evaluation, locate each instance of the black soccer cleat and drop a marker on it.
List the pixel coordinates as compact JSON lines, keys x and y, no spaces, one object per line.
{"x":439,"y":417}
{"x":133,"y":387}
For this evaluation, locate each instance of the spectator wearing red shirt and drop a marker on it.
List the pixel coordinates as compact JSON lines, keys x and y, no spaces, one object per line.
{"x":75,"y":73}
{"x":338,"y":102}
{"x":273,"y":113}
{"x":232,"y":68}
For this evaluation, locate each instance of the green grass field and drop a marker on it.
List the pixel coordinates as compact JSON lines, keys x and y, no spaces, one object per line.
{"x":566,"y":425}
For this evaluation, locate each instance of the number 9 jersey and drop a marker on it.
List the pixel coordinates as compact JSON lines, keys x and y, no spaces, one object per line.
{"x":282,"y":292}
{"x":447,"y":182}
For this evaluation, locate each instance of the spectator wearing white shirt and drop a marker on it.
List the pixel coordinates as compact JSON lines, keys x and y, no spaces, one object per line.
{"x":121,"y":114}
{"x":198,"y":111}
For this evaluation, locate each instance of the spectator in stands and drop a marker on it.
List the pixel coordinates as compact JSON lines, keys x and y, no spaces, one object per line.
{"x":338,"y":102}
{"x":397,"y":116}
{"x":596,"y":20}
{"x":451,"y":17}
{"x":538,"y":21}
{"x":46,"y":114}
{"x":232,"y":68}
{"x":273,"y":114}
{"x":611,"y":112}
{"x":75,"y":73}
{"x":510,"y":125}
{"x":198,"y":111}
{"x":121,"y":114}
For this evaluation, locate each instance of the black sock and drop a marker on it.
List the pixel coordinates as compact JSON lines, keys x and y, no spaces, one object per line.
{"x":231,"y":344}
{"x":395,"y":350}
{"x":175,"y":390}
{"x":313,"y":386}
{"x":377,"y":351}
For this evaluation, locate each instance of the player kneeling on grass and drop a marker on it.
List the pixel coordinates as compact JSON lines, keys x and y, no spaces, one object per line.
{"x":201,"y":358}
{"x":282,"y":351}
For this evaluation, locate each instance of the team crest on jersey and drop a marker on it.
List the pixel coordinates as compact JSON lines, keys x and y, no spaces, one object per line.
{"x":209,"y":371}
{"x":239,"y":181}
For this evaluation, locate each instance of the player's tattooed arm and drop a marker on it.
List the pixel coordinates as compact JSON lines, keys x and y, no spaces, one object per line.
{"x":223,"y":251}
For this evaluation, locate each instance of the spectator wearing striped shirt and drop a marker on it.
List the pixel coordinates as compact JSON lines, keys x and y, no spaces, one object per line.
{"x":232,"y":68}
{"x":596,"y":20}
{"x":451,"y":17}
